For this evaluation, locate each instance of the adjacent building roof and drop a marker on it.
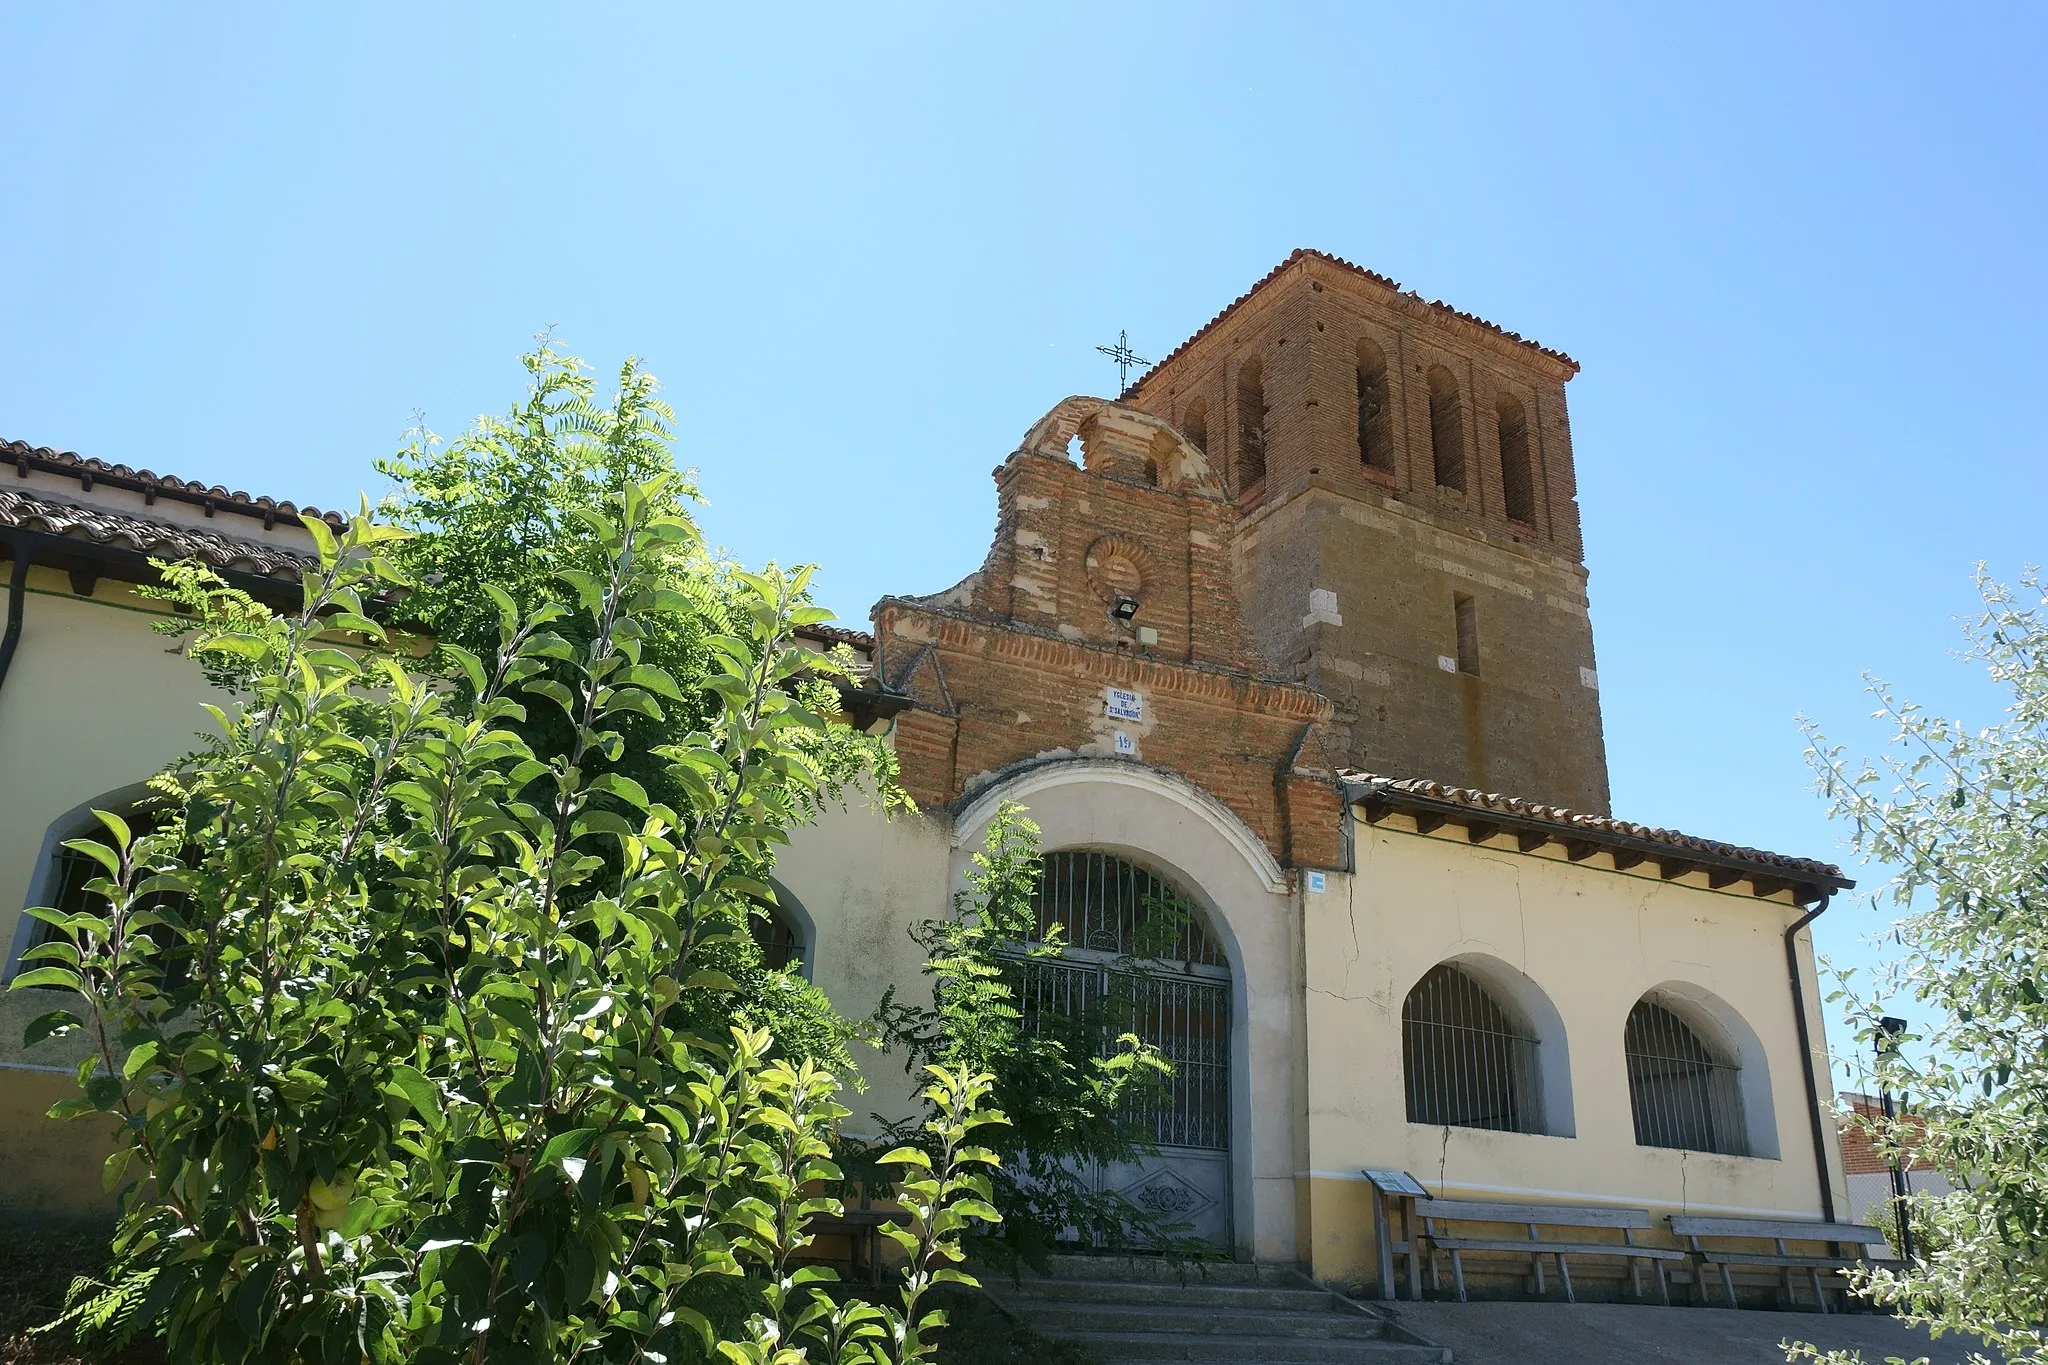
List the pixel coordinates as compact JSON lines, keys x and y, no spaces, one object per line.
{"x":39,"y":513}
{"x":1486,"y":814}
{"x":1859,"y":1151}
{"x":26,"y":458}
{"x":837,"y":635}
{"x":1310,"y":254}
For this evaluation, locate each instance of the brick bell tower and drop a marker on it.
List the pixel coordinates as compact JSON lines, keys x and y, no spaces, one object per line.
{"x":1408,"y":532}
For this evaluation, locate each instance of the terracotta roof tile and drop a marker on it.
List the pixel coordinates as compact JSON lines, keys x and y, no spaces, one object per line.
{"x":26,"y":511}
{"x":837,"y":635}
{"x":25,"y":458}
{"x":1309,"y":253}
{"x":1361,"y":785}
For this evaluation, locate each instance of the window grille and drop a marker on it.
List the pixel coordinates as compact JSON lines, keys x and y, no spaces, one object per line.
{"x":1135,"y":958}
{"x":1683,"y":1095}
{"x":780,"y":944}
{"x":1103,"y":904}
{"x":1186,"y":1018}
{"x":1466,"y":1064}
{"x":70,"y":870}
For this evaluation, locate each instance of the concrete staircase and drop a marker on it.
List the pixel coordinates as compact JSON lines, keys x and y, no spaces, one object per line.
{"x":1128,"y":1311}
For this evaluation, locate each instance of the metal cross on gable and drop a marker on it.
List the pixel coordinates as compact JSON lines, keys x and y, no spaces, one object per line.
{"x":1124,"y":357}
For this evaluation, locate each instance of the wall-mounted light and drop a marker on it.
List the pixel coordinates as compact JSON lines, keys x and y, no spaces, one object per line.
{"x":1125,"y":608}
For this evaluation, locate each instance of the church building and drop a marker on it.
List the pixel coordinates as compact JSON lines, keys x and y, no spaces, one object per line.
{"x":1293,"y":633}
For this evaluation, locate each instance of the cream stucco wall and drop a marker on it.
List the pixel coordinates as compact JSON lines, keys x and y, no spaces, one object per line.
{"x":1319,"y":982}
{"x":1592,"y":941}
{"x":94,"y":704}
{"x":859,"y":880}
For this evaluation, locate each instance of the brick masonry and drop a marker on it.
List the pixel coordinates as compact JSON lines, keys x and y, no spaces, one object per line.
{"x":1350,"y":574}
{"x":1023,"y":660}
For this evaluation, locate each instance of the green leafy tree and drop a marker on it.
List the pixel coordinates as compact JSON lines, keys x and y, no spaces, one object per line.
{"x":508,"y":505}
{"x":1078,"y":1089}
{"x":386,"y":1013}
{"x":1961,"y":815}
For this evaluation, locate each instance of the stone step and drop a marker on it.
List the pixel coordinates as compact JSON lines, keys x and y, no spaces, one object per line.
{"x":1155,"y":1270}
{"x":1132,"y":1348}
{"x":1075,"y":1320}
{"x":1027,"y":1294}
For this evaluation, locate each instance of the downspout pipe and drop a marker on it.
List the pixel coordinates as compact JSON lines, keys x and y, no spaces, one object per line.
{"x":1820,"y":1140}
{"x":17,"y":590}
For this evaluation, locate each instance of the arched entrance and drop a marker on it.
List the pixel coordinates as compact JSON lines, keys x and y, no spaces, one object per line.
{"x":1137,"y":953}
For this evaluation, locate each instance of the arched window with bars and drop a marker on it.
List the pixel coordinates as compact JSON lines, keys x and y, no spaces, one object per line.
{"x":62,"y":882}
{"x":1685,"y":1092}
{"x":1467,"y":1062}
{"x":1251,"y":426}
{"x":1446,"y":429}
{"x":780,"y":938}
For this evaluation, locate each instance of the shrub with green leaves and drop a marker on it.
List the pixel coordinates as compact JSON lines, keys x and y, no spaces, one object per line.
{"x":506,"y":505}
{"x":1960,"y":815}
{"x":386,"y":1011}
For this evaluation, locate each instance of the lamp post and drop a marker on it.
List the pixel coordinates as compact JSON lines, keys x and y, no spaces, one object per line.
{"x":1889,"y":1031}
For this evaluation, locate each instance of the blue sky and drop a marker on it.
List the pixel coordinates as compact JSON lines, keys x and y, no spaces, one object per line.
{"x":1796,"y":248}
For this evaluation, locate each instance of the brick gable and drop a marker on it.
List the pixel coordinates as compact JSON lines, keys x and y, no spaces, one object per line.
{"x":1016,"y":663}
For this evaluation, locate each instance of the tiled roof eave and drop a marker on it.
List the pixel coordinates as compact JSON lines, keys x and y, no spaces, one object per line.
{"x":837,"y":635}
{"x":1301,"y":254}
{"x":125,"y":541}
{"x":1484,"y":814}
{"x":26,"y":459}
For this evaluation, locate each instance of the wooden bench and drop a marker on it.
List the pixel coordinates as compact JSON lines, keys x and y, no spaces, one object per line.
{"x":1534,"y":1217}
{"x":1776,"y":1231}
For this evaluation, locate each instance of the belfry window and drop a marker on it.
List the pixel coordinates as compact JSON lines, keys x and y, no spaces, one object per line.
{"x":1446,"y":429}
{"x":1465,"y":1062}
{"x":1375,"y":422}
{"x":1517,"y":476}
{"x":1685,"y":1093}
{"x":1194,"y":424}
{"x":1251,"y":426}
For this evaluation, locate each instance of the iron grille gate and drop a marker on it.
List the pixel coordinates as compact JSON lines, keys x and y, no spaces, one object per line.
{"x":1137,"y":958}
{"x":1188,"y":1020}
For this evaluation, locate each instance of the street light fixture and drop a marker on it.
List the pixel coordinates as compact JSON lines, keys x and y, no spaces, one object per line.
{"x":1890,"y":1030}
